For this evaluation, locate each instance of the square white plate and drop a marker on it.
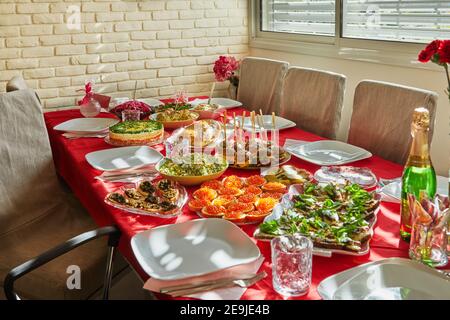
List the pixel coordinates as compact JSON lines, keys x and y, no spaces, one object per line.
{"x":328,"y":152}
{"x":192,"y":248}
{"x":86,"y":125}
{"x":399,"y":279}
{"x":225,"y":103}
{"x":393,"y":189}
{"x":280,"y":123}
{"x":123,"y":158}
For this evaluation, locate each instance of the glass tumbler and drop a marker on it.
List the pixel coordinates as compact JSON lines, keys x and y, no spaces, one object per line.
{"x":131,"y":115}
{"x":291,"y":264}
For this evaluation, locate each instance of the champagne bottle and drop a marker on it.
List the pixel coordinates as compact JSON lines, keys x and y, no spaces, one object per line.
{"x":418,"y":175}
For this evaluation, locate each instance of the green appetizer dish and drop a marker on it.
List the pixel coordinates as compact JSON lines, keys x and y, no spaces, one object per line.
{"x":192,"y":169}
{"x":332,"y":216}
{"x":132,"y":132}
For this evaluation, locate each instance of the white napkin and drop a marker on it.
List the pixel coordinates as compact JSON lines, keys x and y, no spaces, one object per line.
{"x":233,"y":293}
{"x":146,"y":171}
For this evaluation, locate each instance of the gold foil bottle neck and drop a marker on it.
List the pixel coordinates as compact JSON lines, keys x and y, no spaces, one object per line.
{"x":421,"y":118}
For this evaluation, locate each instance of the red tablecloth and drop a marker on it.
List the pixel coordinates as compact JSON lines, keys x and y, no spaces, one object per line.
{"x":69,"y":157}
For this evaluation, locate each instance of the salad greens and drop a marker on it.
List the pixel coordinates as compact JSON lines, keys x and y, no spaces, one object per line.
{"x":332,"y":216}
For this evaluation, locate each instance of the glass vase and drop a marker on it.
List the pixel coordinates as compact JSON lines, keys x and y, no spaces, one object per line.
{"x":90,"y":109}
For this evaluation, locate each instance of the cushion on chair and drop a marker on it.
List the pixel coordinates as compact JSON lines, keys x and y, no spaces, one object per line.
{"x":16,"y":83}
{"x":382,"y":115}
{"x":35,"y":214}
{"x":313,"y":100}
{"x":260,"y":83}
{"x":29,"y":187}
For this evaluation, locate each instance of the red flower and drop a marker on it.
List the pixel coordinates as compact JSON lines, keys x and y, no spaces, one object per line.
{"x":444,"y":51}
{"x":224,"y":68}
{"x":430,"y":50}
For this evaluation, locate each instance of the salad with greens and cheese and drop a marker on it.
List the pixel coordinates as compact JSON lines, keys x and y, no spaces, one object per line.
{"x":195,"y":164}
{"x":332,"y":216}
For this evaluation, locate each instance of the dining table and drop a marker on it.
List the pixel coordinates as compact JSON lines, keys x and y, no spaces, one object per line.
{"x":71,"y":165}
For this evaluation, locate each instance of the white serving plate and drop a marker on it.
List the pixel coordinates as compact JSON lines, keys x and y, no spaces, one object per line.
{"x":123,"y":158}
{"x":86,"y":125}
{"x":192,"y":248}
{"x":280,"y":123}
{"x":358,"y":283}
{"x":329,"y":152}
{"x":393,"y":190}
{"x":225,"y":103}
{"x":286,"y":203}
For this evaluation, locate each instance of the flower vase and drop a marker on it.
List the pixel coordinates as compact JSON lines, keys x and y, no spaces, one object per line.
{"x":90,"y":108}
{"x":232,"y":91}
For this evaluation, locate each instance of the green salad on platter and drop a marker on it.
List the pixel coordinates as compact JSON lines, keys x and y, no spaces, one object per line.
{"x":332,"y":216}
{"x":195,"y":164}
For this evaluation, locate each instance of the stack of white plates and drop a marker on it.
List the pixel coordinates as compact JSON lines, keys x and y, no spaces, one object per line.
{"x":193,"y":248}
{"x":388,"y":279}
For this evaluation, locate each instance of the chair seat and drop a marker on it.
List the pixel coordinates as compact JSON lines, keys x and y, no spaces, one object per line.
{"x":49,"y":281}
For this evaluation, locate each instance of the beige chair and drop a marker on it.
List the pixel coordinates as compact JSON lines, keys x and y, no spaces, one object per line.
{"x":35,"y":214}
{"x":260,"y":83}
{"x":16,"y":83}
{"x":313,"y":99}
{"x":382,"y":115}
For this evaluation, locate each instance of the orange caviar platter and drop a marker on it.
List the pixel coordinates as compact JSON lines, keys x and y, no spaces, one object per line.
{"x":239,"y":200}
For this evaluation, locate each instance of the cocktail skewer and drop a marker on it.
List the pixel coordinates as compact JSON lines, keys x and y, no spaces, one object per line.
{"x":211,"y":93}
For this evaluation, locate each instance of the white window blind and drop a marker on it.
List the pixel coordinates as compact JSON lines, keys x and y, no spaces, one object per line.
{"x":401,"y":20}
{"x":313,"y":17}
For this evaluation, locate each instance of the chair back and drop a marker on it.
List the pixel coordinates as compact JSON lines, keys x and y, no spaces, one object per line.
{"x":382,"y":115}
{"x":29,"y":187}
{"x":16,"y":83}
{"x":260,"y":83}
{"x":313,"y":100}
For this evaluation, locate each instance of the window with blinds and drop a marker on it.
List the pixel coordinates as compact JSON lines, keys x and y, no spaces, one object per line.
{"x":313,"y":17}
{"x":401,"y":20}
{"x":394,"y":20}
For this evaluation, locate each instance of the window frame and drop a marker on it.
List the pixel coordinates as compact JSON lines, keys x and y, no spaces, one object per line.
{"x":388,"y":52}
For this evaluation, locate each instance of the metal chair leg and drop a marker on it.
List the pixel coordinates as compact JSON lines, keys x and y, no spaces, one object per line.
{"x":109,"y":271}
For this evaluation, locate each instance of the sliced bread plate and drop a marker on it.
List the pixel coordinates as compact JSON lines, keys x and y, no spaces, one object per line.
{"x":192,"y":248}
{"x":329,"y":152}
{"x":86,"y":125}
{"x":123,"y":158}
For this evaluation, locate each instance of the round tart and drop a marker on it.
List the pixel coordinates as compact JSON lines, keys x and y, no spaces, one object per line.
{"x":274,"y":187}
{"x":135,"y":132}
{"x":230,"y":191}
{"x":198,"y":204}
{"x":205,"y":194}
{"x":213,"y":211}
{"x":256,"y":216}
{"x":256,"y":180}
{"x":235,"y":216}
{"x":233,"y":182}
{"x":212,"y":184}
{"x":248,"y":198}
{"x":274,"y":195}
{"x":240,"y":207}
{"x":253,"y":190}
{"x":223,"y":200}
{"x":266,"y":204}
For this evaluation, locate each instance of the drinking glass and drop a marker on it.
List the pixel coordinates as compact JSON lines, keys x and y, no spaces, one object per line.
{"x":291,"y":264}
{"x":131,"y":115}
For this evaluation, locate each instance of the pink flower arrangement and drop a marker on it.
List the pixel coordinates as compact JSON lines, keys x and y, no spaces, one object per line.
{"x":438,"y":52}
{"x":225,"y":68}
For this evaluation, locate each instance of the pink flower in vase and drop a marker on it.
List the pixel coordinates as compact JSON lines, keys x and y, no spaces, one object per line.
{"x":224,"y":68}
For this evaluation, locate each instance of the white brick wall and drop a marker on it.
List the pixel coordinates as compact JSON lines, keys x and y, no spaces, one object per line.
{"x":164,"y":45}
